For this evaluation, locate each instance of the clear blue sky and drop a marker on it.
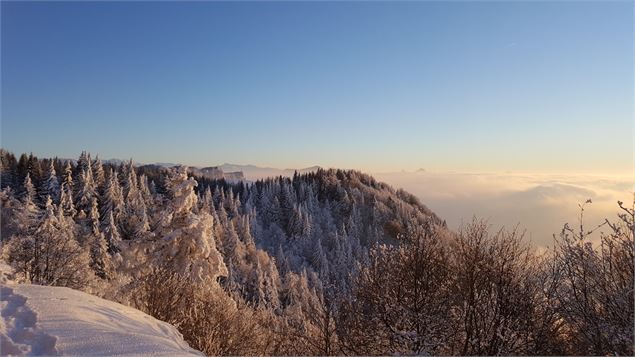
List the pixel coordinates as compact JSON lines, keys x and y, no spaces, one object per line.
{"x":540,"y":87}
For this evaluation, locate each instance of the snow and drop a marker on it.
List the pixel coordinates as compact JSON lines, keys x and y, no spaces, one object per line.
{"x":45,"y":320}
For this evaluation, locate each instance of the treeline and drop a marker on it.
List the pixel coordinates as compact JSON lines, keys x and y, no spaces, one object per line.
{"x":325,"y":263}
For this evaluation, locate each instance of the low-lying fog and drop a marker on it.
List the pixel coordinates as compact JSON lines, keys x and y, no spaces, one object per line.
{"x":541,"y":204}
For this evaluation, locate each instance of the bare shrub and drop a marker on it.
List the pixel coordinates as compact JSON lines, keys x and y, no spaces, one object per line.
{"x":595,"y":285}
{"x":400,"y":302}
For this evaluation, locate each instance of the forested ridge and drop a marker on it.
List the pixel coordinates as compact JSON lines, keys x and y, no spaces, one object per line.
{"x":330,"y":262}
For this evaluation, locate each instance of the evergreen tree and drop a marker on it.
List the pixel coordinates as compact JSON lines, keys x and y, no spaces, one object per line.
{"x":83,"y":163}
{"x":50,"y":255}
{"x":100,"y":259}
{"x":51,"y":185}
{"x":111,"y":234}
{"x":66,"y":195}
{"x":112,"y":200}
{"x":9,"y":173}
{"x":86,"y":191}
{"x":98,"y":174}
{"x":189,"y":246}
{"x":27,"y":211}
{"x":29,"y":194}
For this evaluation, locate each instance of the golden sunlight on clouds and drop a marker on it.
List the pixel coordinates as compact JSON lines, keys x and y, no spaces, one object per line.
{"x":539,"y":203}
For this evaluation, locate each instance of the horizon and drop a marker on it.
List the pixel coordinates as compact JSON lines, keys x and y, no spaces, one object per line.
{"x":517,"y":111}
{"x":521,"y":87}
{"x":428,"y":177}
{"x":396,"y":171}
{"x":538,"y":204}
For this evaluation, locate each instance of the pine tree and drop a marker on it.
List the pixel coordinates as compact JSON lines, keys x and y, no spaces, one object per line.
{"x":98,"y":174}
{"x":66,"y":201}
{"x":144,"y":189}
{"x":86,"y":191}
{"x":100,"y":259}
{"x":28,"y":212}
{"x":9,"y":173}
{"x":29,"y":194}
{"x":50,"y":255}
{"x":189,"y":246}
{"x":207,"y":200}
{"x":135,"y":222}
{"x":112,"y":200}
{"x":111,"y":234}
{"x":83,"y":163}
{"x":66,"y":195}
{"x":129,"y":180}
{"x":51,"y":185}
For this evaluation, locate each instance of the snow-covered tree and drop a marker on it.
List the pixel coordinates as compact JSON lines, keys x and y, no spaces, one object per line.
{"x":135,"y":222}
{"x":51,"y":185}
{"x":50,"y":255}
{"x":112,"y":199}
{"x":66,"y":195}
{"x":29,"y":194}
{"x":86,"y":191}
{"x":98,"y":173}
{"x":100,"y":259}
{"x":83,"y":162}
{"x":111,"y":234}
{"x":185,"y":241}
{"x":66,"y":201}
{"x":29,"y":211}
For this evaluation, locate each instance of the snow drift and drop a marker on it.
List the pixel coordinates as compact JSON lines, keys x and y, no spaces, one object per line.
{"x":45,"y":320}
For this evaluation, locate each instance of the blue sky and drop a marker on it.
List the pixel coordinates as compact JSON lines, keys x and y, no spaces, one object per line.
{"x":478,"y":86}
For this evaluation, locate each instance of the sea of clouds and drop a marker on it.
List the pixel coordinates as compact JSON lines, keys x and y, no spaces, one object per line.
{"x":540,"y":204}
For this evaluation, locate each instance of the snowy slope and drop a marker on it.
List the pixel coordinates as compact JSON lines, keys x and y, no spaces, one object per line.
{"x":45,"y":320}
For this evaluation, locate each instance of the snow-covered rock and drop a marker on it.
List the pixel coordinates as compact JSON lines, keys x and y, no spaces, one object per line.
{"x":46,"y":320}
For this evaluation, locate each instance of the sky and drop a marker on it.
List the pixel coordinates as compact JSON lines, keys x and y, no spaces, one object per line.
{"x":376,"y":86}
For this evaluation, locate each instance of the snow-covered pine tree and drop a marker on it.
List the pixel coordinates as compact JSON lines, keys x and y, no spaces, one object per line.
{"x":112,"y":199}
{"x":129,"y":176}
{"x":50,"y":255}
{"x":111,"y":234}
{"x":27,"y":213}
{"x":186,"y":243}
{"x":51,"y":184}
{"x":144,"y":189}
{"x":66,"y":199}
{"x":100,"y":260}
{"x":98,"y":174}
{"x":86,"y":191}
{"x":135,"y":222}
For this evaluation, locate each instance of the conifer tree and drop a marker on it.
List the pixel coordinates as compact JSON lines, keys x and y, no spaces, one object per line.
{"x":86,"y":191}
{"x":100,"y":259}
{"x":188,"y":244}
{"x":111,"y":234}
{"x":112,"y":200}
{"x":29,"y":195}
{"x":66,"y":195}
{"x":27,"y":212}
{"x":50,"y":255}
{"x":51,"y":185}
{"x":83,"y":163}
{"x":98,"y":174}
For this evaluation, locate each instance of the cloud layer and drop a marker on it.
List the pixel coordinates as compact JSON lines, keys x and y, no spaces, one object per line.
{"x":541,"y":204}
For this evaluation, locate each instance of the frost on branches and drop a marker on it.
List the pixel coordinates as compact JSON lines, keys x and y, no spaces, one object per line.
{"x":329,"y":262}
{"x":185,"y":238}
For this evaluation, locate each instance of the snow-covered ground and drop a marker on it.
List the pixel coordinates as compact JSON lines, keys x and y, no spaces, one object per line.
{"x":45,"y":320}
